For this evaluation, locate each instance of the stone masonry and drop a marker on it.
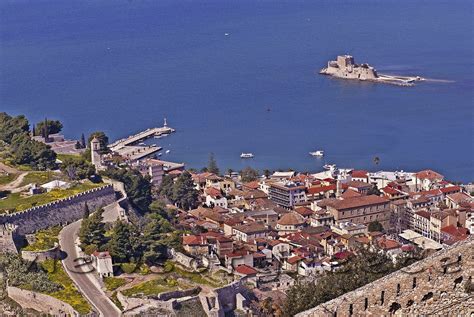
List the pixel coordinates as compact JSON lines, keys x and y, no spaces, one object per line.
{"x":59,"y":212}
{"x":433,"y":286}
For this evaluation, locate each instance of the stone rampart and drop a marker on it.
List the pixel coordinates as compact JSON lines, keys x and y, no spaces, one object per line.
{"x":61,"y":211}
{"x":433,"y":286}
{"x":53,"y":253}
{"x":41,"y":302}
{"x":178,"y":294}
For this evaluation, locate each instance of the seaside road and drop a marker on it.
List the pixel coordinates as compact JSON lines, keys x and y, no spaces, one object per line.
{"x":86,"y":282}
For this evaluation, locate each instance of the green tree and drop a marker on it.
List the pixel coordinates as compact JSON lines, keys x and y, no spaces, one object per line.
{"x":376,"y":160}
{"x":375,"y":226}
{"x":86,"y":211}
{"x":267,"y":173}
{"x":248,"y":174}
{"x":48,"y":127}
{"x":212,"y":165}
{"x":11,"y":126}
{"x":103,"y":141}
{"x":83,"y":141}
{"x":137,"y":186}
{"x":185,"y":194}
{"x":154,"y":248}
{"x":166,"y":187}
{"x":77,"y":168}
{"x":25,"y":151}
{"x":122,"y":244}
{"x":92,"y":231}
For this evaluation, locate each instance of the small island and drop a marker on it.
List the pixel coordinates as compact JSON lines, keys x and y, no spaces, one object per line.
{"x":345,"y":67}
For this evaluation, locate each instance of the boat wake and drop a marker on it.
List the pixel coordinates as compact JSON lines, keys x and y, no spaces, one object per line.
{"x":447,"y":81}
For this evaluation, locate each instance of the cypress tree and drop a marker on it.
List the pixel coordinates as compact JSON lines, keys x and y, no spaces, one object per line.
{"x":86,"y":211}
{"x":212,"y":166}
{"x":83,"y":141}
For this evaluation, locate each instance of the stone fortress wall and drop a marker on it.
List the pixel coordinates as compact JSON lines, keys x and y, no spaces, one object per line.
{"x":433,"y":286}
{"x":59,"y":212}
{"x":41,"y":302}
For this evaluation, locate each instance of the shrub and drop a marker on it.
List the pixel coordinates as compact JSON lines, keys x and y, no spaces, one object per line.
{"x":128,"y":268}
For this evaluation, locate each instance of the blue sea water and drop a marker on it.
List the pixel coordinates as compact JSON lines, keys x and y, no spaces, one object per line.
{"x":122,"y":66}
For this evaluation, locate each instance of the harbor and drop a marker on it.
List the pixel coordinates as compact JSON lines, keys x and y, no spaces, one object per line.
{"x":132,"y":148}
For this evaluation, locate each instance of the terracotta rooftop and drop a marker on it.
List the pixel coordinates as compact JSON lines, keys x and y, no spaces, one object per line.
{"x":423,"y":213}
{"x":429,"y":174}
{"x":359,"y":174}
{"x":350,"y":193}
{"x":357,"y":202}
{"x":291,"y":219}
{"x":244,"y":269}
{"x":304,"y":211}
{"x":294,"y":259}
{"x":252,"y":227}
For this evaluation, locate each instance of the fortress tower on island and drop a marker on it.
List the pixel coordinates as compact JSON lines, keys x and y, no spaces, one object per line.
{"x":345,"y":67}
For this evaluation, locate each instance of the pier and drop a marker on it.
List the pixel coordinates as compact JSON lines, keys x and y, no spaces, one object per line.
{"x":141,"y":136}
{"x":129,"y":149}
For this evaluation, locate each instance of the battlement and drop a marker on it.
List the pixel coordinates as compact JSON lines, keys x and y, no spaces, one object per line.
{"x":434,"y":285}
{"x":59,"y":212}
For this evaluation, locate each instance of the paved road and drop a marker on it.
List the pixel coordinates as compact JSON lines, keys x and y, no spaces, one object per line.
{"x":87,"y":282}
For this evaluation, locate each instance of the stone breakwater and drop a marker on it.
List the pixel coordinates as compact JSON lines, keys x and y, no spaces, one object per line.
{"x":433,"y":286}
{"x":59,"y":212}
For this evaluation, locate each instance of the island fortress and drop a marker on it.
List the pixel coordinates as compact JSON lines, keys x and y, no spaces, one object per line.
{"x":345,"y":67}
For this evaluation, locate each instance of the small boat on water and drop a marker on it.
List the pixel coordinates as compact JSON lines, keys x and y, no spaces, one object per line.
{"x":329,"y":166}
{"x":318,"y":153}
{"x":167,"y":151}
{"x":246,"y":155}
{"x":142,"y":144}
{"x":160,"y":154}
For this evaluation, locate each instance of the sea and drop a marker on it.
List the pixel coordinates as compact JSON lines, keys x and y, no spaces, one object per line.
{"x":235,"y":76}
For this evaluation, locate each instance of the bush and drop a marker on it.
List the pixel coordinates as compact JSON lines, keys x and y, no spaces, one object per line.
{"x":168,"y":267}
{"x":112,"y":283}
{"x":128,"y":268}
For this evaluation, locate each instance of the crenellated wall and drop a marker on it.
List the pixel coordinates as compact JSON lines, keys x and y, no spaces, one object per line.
{"x":60,"y":211}
{"x":434,"y":285}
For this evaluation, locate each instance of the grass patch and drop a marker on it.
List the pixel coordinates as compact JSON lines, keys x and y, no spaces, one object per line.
{"x":63,"y":157}
{"x":5,"y":179}
{"x":154,"y":287}
{"x":40,"y":177}
{"x":69,"y":294}
{"x":198,"y":278}
{"x":112,"y":283}
{"x":45,"y":239}
{"x":17,"y":201}
{"x":115,"y":300}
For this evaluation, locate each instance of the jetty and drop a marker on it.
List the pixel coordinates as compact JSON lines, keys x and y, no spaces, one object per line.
{"x":130,"y":148}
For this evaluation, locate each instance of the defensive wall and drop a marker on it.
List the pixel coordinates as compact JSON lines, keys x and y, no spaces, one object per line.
{"x":42,"y":255}
{"x":59,"y":212}
{"x":433,"y":286}
{"x":41,"y":302}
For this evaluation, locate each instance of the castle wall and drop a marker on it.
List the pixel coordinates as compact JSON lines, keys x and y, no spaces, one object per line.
{"x":59,"y":212}
{"x":434,"y":285}
{"x":53,"y":253}
{"x":41,"y":302}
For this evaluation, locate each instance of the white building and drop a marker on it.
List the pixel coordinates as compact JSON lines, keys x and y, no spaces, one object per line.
{"x":102,"y":261}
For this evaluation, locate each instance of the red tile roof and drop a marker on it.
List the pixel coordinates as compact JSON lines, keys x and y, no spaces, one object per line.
{"x":304,"y":211}
{"x":350,"y":193}
{"x":245,"y":270}
{"x":359,"y":174}
{"x":429,"y":174}
{"x":294,"y":259}
{"x":357,"y":202}
{"x":192,"y":240}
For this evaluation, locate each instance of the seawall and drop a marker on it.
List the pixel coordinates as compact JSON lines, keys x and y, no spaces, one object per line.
{"x":61,"y":211}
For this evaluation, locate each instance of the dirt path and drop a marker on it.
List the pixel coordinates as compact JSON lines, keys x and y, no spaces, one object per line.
{"x":16,"y":182}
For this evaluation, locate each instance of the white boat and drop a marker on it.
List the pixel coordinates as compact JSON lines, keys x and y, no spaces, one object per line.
{"x":167,"y":151}
{"x":226,"y":34}
{"x":317,"y":153}
{"x":160,"y":154}
{"x":329,"y":166}
{"x":246,"y":155}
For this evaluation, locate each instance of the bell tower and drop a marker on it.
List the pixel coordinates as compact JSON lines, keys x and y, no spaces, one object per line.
{"x":95,"y":153}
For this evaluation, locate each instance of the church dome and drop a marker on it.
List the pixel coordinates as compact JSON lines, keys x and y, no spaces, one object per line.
{"x":291,"y":219}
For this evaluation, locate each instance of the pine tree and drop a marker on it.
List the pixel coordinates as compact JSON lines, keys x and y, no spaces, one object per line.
{"x":212,"y":166}
{"x":92,"y":231}
{"x":121,"y":245}
{"x":184,"y":193}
